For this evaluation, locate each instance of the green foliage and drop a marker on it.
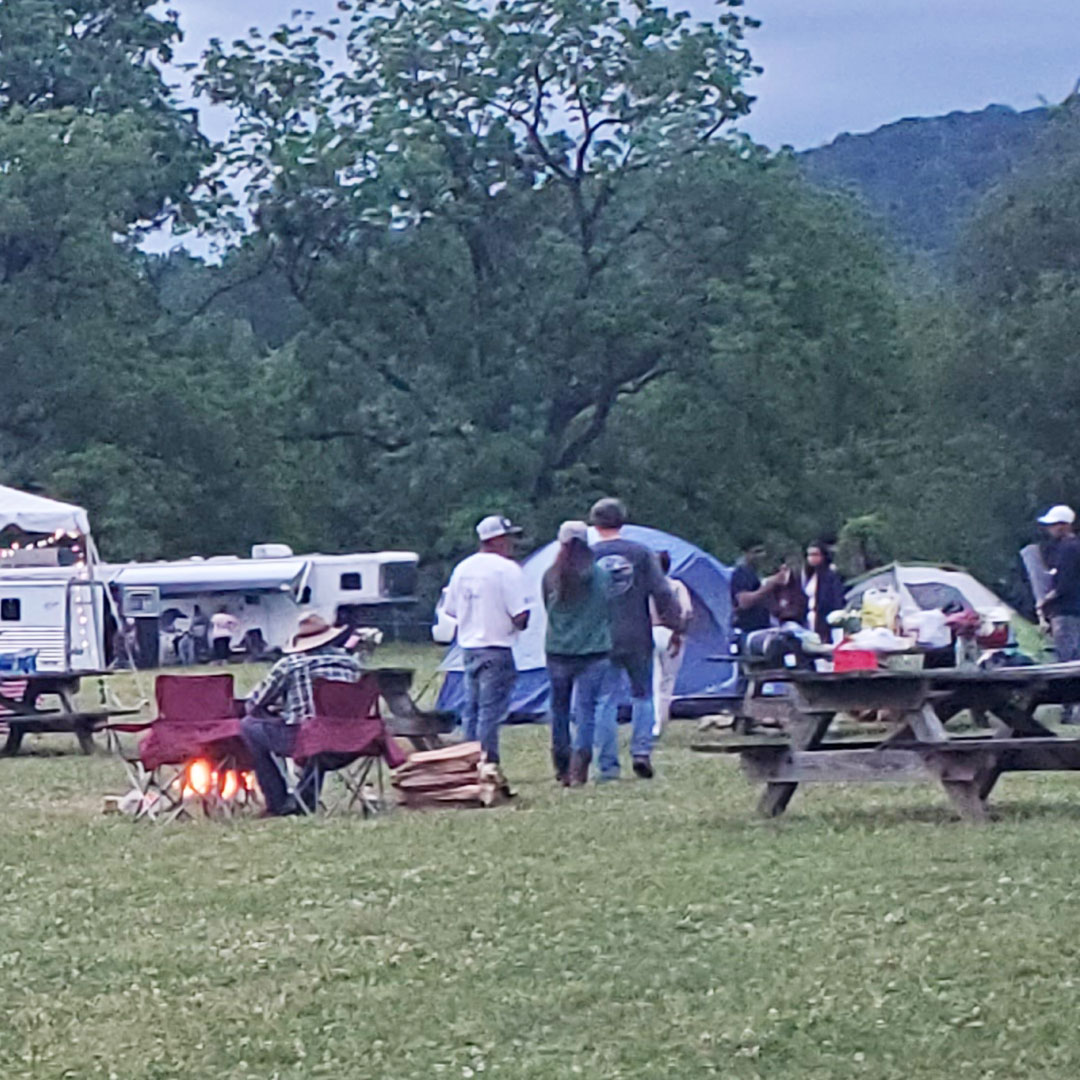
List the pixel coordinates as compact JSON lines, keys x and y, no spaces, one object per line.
{"x":924,"y":177}
{"x":513,"y":258}
{"x":862,"y":545}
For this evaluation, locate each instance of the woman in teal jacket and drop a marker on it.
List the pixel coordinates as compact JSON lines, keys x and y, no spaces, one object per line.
{"x":577,"y":645}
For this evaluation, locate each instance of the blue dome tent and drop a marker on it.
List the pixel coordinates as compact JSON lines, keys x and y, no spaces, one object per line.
{"x":706,"y":670}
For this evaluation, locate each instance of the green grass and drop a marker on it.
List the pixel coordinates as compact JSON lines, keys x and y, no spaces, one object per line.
{"x":636,"y":930}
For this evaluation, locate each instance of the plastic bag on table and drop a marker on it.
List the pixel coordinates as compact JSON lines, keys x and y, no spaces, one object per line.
{"x":880,"y":607}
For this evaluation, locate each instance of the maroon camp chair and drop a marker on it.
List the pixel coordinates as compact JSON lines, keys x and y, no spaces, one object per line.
{"x":192,"y":755}
{"x":347,"y":740}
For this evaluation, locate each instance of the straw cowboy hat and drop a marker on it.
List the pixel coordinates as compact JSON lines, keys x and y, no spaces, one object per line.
{"x":313,"y":633}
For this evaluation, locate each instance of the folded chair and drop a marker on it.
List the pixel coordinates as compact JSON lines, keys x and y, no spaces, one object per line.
{"x":191,"y":756}
{"x":346,"y":739}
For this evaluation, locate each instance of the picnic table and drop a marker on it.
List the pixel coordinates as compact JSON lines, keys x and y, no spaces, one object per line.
{"x":20,"y":711}
{"x":915,"y":708}
{"x":422,"y":727}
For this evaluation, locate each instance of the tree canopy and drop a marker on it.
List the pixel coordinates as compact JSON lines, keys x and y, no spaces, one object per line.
{"x":500,"y":257}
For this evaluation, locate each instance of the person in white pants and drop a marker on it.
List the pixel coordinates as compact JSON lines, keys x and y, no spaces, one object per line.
{"x":668,"y":649}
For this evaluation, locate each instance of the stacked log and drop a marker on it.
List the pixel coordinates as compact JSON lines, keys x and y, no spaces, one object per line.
{"x":454,"y":776}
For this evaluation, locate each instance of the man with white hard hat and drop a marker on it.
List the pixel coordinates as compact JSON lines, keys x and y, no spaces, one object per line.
{"x":1061,"y":605}
{"x":486,"y":599}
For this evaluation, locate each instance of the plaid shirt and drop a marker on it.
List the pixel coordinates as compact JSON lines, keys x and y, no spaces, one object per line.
{"x":287,"y":689}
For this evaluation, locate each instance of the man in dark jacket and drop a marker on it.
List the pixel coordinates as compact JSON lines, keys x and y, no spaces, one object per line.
{"x":1061,"y":606}
{"x":634,"y":576}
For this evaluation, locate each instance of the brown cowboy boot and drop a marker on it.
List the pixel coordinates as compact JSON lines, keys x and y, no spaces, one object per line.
{"x":561,"y":762}
{"x":579,"y":768}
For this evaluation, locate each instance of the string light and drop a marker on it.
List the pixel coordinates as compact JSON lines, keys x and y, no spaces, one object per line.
{"x":76,"y":545}
{"x":47,"y":542}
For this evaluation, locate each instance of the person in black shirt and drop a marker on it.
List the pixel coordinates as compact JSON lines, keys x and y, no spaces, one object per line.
{"x":634,"y":577}
{"x":749,"y":594}
{"x":1061,"y":605}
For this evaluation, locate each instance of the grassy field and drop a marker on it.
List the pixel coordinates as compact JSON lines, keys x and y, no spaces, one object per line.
{"x":634,"y":930}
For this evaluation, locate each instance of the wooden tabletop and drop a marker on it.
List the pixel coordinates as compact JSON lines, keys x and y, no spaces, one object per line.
{"x":51,"y":676}
{"x":1015,"y":675}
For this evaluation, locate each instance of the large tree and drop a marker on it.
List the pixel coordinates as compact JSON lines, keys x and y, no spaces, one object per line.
{"x":459,"y":207}
{"x":105,"y":398}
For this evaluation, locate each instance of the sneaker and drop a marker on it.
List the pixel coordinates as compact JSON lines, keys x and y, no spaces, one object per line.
{"x":643,"y":768}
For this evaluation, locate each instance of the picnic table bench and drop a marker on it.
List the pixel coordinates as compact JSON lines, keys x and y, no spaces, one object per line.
{"x":20,"y":712}
{"x":422,"y":727}
{"x":915,"y":707}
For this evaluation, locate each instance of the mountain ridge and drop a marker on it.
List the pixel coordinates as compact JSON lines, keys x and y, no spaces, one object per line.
{"x":924,"y":176}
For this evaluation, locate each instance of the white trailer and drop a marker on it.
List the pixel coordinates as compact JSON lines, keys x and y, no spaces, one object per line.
{"x":58,"y":614}
{"x":54,"y":611}
{"x":266,"y":593}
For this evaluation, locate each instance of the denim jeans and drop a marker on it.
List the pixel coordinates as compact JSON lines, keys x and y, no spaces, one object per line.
{"x":643,"y":716}
{"x":575,"y":688}
{"x":489,"y":681}
{"x":268,"y":739}
{"x":1065,"y":630}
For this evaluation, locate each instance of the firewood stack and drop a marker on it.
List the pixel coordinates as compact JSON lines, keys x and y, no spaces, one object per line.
{"x":454,"y":776}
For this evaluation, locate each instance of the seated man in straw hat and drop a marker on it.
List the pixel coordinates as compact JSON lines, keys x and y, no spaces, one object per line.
{"x":284,"y":700}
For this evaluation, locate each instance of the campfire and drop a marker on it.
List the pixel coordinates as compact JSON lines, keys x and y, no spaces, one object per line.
{"x":201,"y":780}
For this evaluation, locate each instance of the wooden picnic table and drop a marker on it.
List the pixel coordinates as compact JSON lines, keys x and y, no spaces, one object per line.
{"x":916,"y":707}
{"x":22,"y":713}
{"x":422,"y":727}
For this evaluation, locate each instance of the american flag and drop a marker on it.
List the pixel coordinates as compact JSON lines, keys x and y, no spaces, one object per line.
{"x":10,"y":688}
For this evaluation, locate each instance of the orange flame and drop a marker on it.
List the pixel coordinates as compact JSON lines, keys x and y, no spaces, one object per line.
{"x":200,"y":777}
{"x":230,"y":785}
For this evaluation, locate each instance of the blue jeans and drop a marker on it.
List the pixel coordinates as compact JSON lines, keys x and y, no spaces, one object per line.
{"x":575,"y":688}
{"x":1065,"y":630}
{"x":268,"y":739}
{"x":643,"y":714}
{"x":489,"y":681}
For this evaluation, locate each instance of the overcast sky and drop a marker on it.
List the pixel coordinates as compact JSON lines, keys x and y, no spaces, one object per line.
{"x":838,"y":65}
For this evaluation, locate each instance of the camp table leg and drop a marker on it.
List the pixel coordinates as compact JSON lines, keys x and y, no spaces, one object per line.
{"x":18,"y":709}
{"x":965,"y":796}
{"x":14,"y":739}
{"x":1019,"y":720}
{"x":83,"y":729}
{"x":806,"y":732}
{"x":1014,"y":718}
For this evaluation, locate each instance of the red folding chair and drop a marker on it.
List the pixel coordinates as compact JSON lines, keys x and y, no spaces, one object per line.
{"x":192,"y":756}
{"x":345,"y":742}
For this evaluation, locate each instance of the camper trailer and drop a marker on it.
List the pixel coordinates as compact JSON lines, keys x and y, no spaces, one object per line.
{"x":265,"y":594}
{"x":55,"y":615}
{"x":53,"y":608}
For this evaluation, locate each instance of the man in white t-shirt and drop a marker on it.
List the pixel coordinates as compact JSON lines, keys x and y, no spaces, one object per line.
{"x":486,"y":598}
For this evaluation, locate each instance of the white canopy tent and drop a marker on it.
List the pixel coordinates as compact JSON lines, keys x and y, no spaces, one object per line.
{"x":56,"y":610}
{"x":35,"y":514}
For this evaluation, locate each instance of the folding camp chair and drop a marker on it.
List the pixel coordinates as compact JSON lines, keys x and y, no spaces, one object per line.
{"x":345,"y":741}
{"x":191,"y":757}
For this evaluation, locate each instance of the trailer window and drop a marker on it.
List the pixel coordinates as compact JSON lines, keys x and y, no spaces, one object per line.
{"x":10,"y":609}
{"x":351,"y":583}
{"x":399,"y":580}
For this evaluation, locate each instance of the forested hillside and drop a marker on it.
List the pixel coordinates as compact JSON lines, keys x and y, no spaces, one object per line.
{"x":480,"y":262}
{"x":924,"y":176}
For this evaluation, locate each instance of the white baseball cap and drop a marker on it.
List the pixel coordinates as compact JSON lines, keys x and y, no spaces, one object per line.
{"x":494,"y":526}
{"x":1058,"y":515}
